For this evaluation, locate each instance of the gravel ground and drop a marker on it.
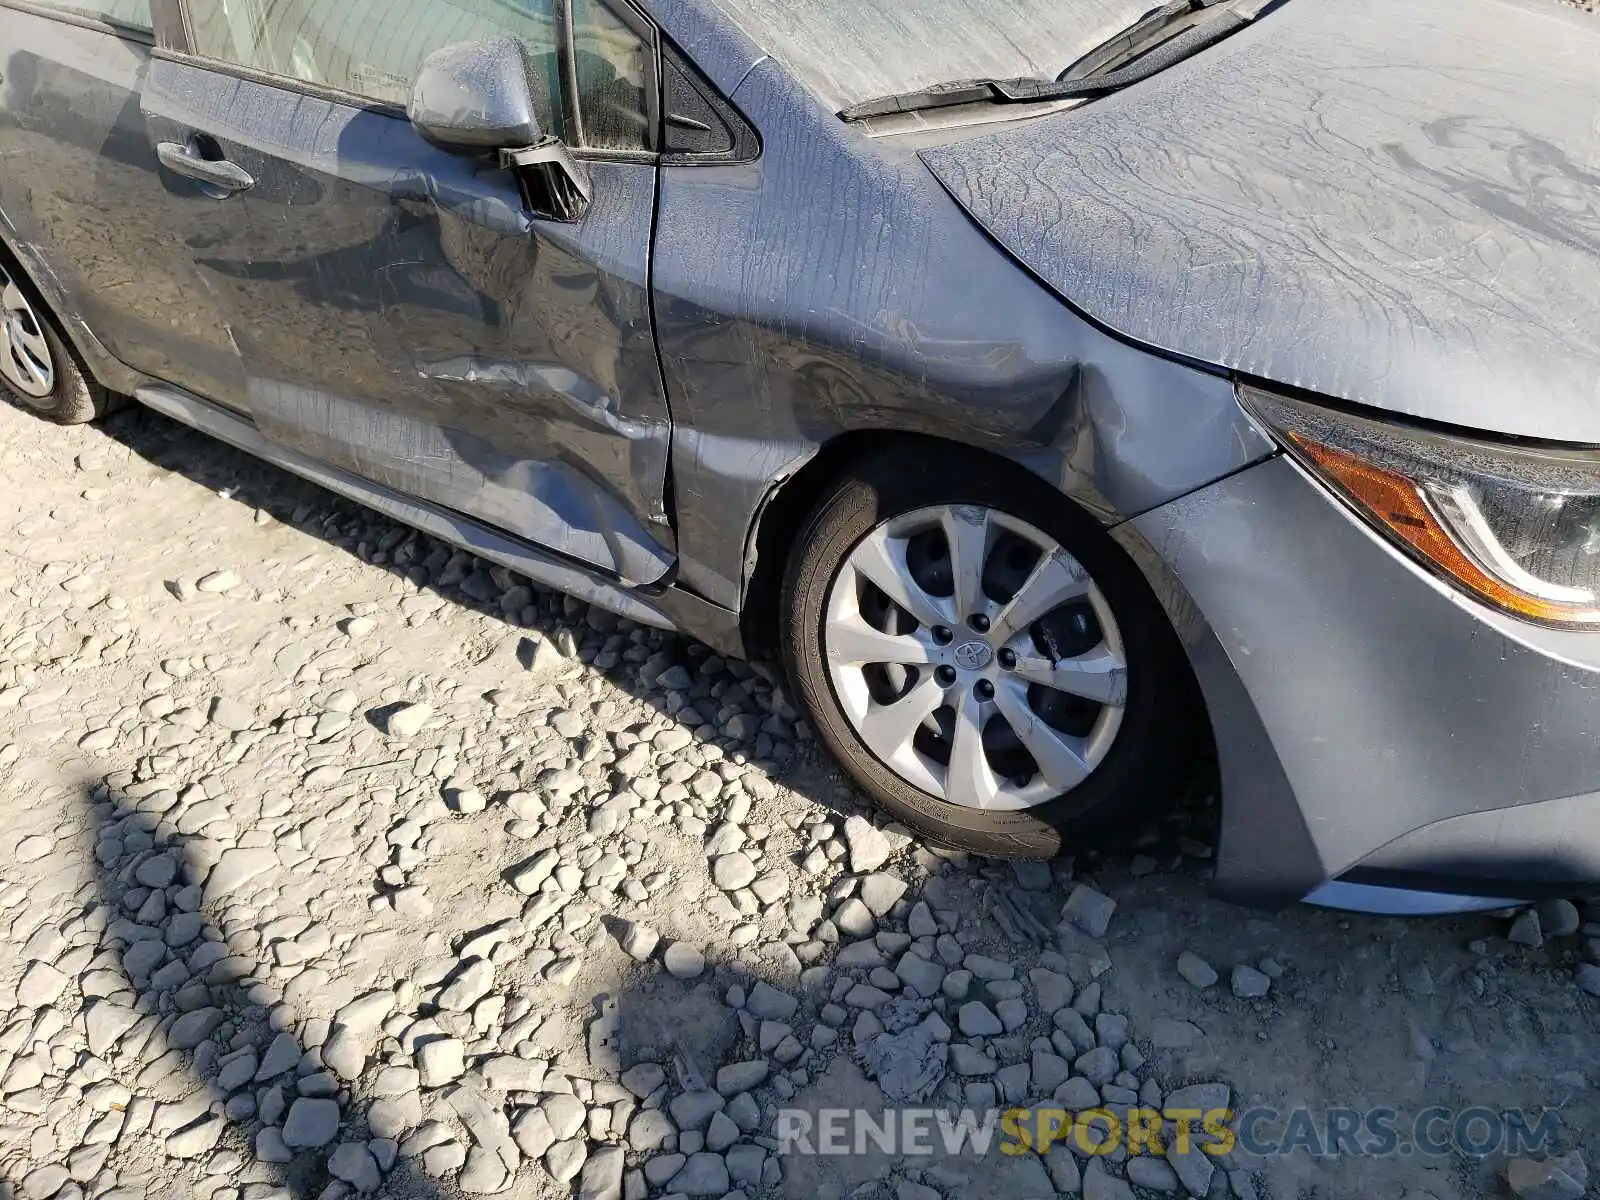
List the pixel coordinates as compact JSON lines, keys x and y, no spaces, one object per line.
{"x":338,"y":862}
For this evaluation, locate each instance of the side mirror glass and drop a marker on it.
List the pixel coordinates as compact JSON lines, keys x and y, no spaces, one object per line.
{"x":478,"y":96}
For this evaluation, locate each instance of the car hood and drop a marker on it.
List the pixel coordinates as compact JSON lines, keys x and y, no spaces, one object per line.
{"x":1393,"y":204}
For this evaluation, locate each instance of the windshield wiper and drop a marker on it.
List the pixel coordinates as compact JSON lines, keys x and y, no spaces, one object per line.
{"x":1207,"y":21}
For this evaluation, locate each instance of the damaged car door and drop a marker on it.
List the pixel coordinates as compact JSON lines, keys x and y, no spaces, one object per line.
{"x":409,"y":302}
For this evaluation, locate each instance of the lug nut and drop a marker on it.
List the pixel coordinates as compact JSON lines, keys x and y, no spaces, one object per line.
{"x":984,"y":689}
{"x":943,"y":635}
{"x":1008,"y":659}
{"x":945,"y":675}
{"x":979,"y":622}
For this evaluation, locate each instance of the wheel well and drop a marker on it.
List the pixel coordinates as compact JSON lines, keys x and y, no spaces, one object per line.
{"x":778,"y":524}
{"x":779,"y":519}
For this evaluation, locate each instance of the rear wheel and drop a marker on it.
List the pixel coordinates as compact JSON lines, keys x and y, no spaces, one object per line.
{"x":982,"y":658}
{"x":36,"y":364}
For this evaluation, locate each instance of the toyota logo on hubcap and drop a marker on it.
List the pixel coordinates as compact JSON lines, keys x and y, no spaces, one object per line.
{"x":973,"y":656}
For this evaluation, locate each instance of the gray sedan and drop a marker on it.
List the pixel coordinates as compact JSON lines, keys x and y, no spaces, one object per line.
{"x":1086,"y":403}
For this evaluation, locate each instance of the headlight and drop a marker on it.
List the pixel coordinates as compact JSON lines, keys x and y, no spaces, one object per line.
{"x":1516,"y":526}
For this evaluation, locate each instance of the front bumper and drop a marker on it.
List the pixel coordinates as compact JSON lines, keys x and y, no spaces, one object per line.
{"x":1373,"y":726}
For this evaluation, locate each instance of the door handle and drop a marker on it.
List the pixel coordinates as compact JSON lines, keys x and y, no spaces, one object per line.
{"x":218,"y":173}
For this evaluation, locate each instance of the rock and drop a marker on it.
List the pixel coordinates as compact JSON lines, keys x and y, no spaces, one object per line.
{"x":43,"y":1182}
{"x":217,"y":582}
{"x":1089,"y":910}
{"x":391,"y":1116}
{"x":1194,"y":1169}
{"x":412,"y":902}
{"x":881,"y":891}
{"x":107,"y":1023}
{"x":742,"y":1076}
{"x":684,"y":961}
{"x":1249,"y":983}
{"x":1588,"y":977}
{"x":867,"y":846}
{"x":1099,"y":1184}
{"x":637,"y":941}
{"x":566,"y":1114}
{"x":441,"y":1061}
{"x":532,"y":1133}
{"x":353,"y":1163}
{"x":854,"y":919}
{"x":1559,"y":918}
{"x":407,"y":720}
{"x":227,"y":713}
{"x":270,"y":1147}
{"x":530,"y":875}
{"x":601,"y":1178}
{"x":1196,"y":970}
{"x":281,"y":1055}
{"x":644,"y":1078}
{"x":975,"y":1019}
{"x":449,"y":1156}
{"x":705,"y":1174}
{"x":365,"y":1014}
{"x":471,"y":984}
{"x":650,"y":1129}
{"x":1147,"y":1171}
{"x":41,"y":984}
{"x":920,"y":976}
{"x":311,"y":1123}
{"x":483,"y":1173}
{"x":344,"y":1053}
{"x":565,"y":1159}
{"x":733,"y":871}
{"x":508,"y":1073}
{"x":1525,"y":929}
{"x":691,"y":1110}
{"x":1052,"y":989}
{"x":192,"y":1028}
{"x":767,"y":1003}
{"x":1552,"y":1179}
{"x":156,"y":871}
{"x":197,"y":1139}
{"x":969,"y":1061}
{"x":721,"y":1132}
{"x":1099,"y":1066}
{"x":238,"y":866}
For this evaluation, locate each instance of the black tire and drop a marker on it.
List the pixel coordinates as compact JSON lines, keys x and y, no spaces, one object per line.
{"x":1154,"y":756}
{"x":76,"y":397}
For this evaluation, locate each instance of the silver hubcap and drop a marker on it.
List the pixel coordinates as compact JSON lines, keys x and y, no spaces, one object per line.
{"x":25,"y":360}
{"x":975,"y":657}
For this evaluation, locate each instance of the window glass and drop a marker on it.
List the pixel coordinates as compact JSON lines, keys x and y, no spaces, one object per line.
{"x":135,"y":14}
{"x":613,"y":70}
{"x":369,"y":47}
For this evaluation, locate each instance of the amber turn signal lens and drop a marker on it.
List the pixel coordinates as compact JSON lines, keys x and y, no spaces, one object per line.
{"x":1401,"y":509}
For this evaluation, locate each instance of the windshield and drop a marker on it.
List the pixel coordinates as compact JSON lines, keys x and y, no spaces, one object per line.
{"x":848,"y":51}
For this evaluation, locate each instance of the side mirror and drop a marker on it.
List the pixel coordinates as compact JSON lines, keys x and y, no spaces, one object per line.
{"x":478,"y":96}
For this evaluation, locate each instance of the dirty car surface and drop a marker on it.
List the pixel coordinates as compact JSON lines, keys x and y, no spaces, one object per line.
{"x":1086,"y":401}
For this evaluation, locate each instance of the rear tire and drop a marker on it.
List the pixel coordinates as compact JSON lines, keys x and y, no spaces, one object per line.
{"x":38,"y":368}
{"x":979,"y":662}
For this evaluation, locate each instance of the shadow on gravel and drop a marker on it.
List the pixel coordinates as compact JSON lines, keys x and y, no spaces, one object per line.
{"x":690,"y":1052}
{"x":221,"y":1077}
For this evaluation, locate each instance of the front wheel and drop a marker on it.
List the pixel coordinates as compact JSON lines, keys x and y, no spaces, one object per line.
{"x":982,"y":658}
